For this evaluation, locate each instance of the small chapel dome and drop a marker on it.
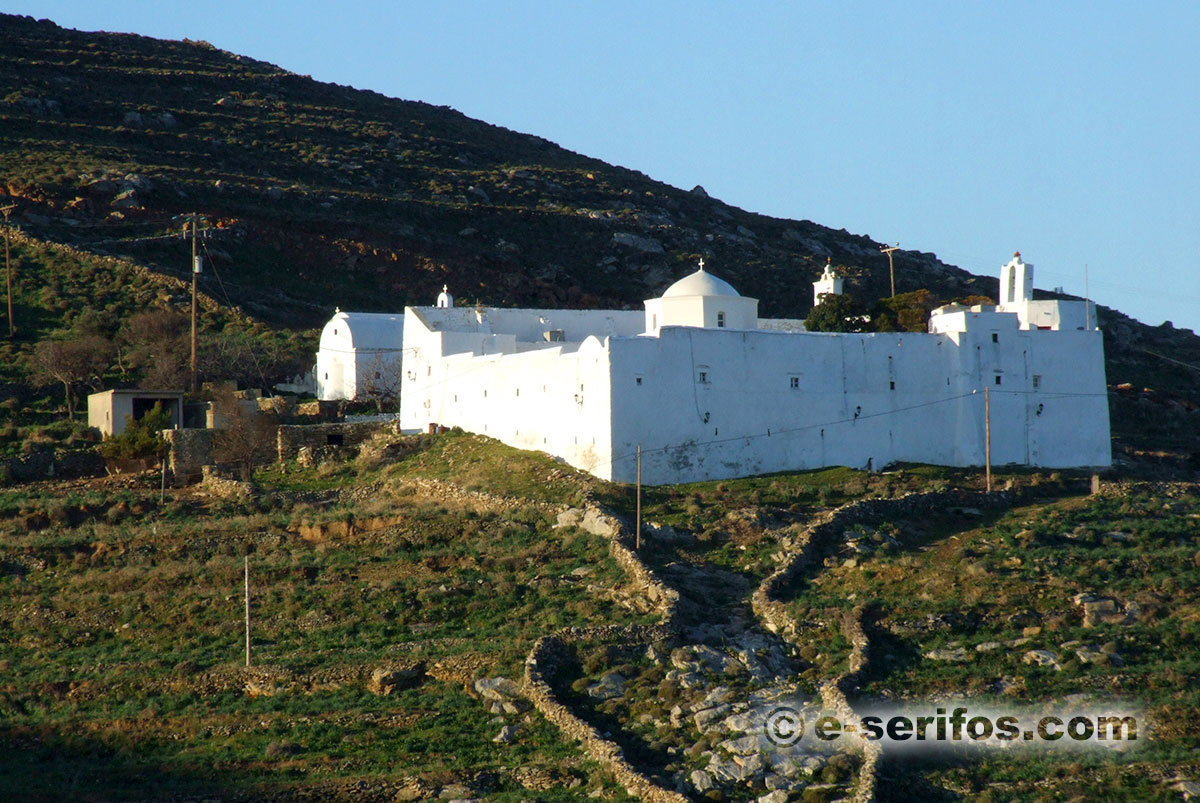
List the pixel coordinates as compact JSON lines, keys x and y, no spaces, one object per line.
{"x":700,"y":283}
{"x":444,"y":299}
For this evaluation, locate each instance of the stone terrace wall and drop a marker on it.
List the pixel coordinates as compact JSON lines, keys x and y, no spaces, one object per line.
{"x":808,"y":548}
{"x":540,"y":667}
{"x":42,"y":464}
{"x":190,"y":451}
{"x":550,"y":652}
{"x":294,"y":436}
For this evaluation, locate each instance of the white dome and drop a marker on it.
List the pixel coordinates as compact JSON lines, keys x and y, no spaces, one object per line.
{"x":700,"y":283}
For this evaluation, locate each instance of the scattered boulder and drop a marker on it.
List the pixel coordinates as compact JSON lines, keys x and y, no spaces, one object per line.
{"x":646,"y":245}
{"x":1189,"y":789}
{"x":611,"y":685}
{"x":1042,"y":658}
{"x":385,"y":680}
{"x":958,"y":654}
{"x":498,"y":689}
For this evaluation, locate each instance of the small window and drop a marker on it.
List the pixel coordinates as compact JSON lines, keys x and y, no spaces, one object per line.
{"x":794,"y":382}
{"x":1037,"y":381}
{"x":376,"y":374}
{"x":429,"y":370}
{"x":581,"y":387}
{"x":721,"y":319}
{"x":335,"y":331}
{"x":326,"y":374}
{"x":892,"y":385}
{"x":995,"y":337}
{"x":485,"y":394}
{"x":997,"y":379}
{"x":702,"y":377}
{"x":638,"y":381}
{"x":518,"y":391}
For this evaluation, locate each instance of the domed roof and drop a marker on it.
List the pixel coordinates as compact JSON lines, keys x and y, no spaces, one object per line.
{"x":700,"y":283}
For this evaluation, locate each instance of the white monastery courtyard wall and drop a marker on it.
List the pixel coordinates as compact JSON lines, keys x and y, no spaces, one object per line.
{"x":706,"y":400}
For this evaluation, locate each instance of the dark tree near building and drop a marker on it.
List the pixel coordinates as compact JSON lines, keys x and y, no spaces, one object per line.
{"x":837,"y":313}
{"x":381,"y":384}
{"x":243,"y":436}
{"x":907,"y":312}
{"x":156,"y":345}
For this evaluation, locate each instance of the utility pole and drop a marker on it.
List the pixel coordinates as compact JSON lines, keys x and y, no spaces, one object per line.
{"x":247,"y":564}
{"x":888,"y":249}
{"x":638,"y":541}
{"x":6,"y":211}
{"x":987,"y":434}
{"x":194,"y":219}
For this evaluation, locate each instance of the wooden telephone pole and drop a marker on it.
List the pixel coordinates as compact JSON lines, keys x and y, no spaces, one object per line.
{"x":6,"y":211}
{"x":247,"y":565}
{"x":194,"y":219}
{"x":889,"y":249}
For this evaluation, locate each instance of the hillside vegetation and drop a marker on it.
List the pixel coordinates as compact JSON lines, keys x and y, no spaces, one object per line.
{"x":384,"y":599}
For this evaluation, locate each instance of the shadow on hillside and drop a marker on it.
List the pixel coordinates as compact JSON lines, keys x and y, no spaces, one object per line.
{"x":46,"y":765}
{"x":903,"y":780}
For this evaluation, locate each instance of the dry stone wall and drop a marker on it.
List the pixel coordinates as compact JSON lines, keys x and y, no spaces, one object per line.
{"x":807,"y":549}
{"x":190,"y":451}
{"x":293,"y":437}
{"x":550,"y":652}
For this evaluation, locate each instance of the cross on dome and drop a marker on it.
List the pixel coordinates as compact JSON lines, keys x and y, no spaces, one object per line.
{"x":701,"y":263}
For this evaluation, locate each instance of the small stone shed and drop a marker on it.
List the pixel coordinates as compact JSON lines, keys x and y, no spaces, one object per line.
{"x":107,"y":409}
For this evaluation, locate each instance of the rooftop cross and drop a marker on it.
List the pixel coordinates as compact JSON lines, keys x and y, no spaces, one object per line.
{"x":701,"y":263}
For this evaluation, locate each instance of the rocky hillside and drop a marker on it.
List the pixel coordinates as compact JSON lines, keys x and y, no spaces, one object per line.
{"x":327,"y":194}
{"x":321,"y":195}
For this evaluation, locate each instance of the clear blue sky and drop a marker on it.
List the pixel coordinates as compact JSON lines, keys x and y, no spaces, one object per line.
{"x":1069,"y":131}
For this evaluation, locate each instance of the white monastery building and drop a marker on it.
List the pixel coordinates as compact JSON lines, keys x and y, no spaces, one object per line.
{"x":360,"y":352}
{"x":710,"y":391}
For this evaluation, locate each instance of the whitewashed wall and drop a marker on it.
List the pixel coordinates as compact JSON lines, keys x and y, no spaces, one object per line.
{"x":354,"y":347}
{"x":748,"y":419}
{"x":858,"y":400}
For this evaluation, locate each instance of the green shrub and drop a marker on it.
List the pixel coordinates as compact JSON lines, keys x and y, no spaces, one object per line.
{"x":141,"y":437}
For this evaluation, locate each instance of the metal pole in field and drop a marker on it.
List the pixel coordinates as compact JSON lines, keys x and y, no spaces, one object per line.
{"x":987,"y":429}
{"x":638,"y":544}
{"x":247,"y":560}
